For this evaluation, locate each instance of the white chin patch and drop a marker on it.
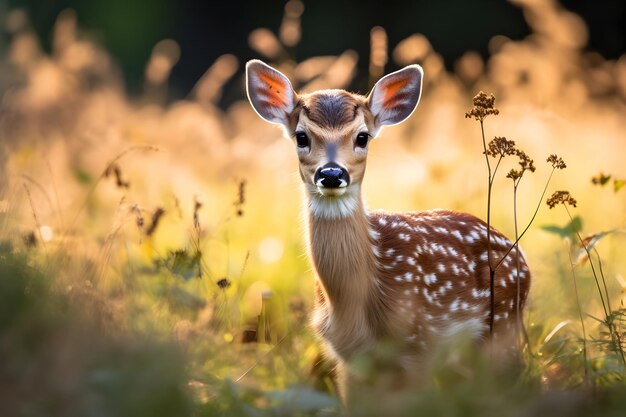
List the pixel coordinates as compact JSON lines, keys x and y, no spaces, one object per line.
{"x":333,"y":203}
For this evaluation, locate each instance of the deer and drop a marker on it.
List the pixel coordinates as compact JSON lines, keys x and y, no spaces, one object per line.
{"x":412,"y":278}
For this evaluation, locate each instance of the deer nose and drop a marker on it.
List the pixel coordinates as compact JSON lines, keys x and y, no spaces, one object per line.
{"x":331,"y":175}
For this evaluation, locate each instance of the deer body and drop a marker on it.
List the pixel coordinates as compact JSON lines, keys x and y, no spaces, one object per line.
{"x":410,"y":278}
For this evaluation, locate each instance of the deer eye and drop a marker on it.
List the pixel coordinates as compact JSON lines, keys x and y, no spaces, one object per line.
{"x":302,"y":140}
{"x":362,"y":139}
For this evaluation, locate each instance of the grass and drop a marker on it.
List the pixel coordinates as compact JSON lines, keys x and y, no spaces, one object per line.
{"x":138,"y":238}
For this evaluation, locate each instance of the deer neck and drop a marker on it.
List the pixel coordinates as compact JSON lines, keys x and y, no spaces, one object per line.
{"x":343,"y":251}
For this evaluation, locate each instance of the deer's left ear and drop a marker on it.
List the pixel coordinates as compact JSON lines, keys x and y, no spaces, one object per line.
{"x":395,"y":96}
{"x":269,"y":92}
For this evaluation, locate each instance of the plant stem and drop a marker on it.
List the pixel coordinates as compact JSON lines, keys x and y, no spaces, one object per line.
{"x":532,"y":219}
{"x":609,"y":321}
{"x":492,"y":271}
{"x":580,"y":315}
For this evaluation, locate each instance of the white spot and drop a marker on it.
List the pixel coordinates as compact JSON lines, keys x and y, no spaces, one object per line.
{"x":408,"y":277}
{"x":428,"y":317}
{"x":407,"y":292}
{"x":394,"y":224}
{"x":452,"y":251}
{"x":471,"y":266}
{"x":416,"y":290}
{"x":374,"y":234}
{"x":484,"y":256}
{"x":455,"y":305}
{"x":430,"y":279}
{"x":376,"y":251}
{"x":382,"y":221}
{"x":410,"y":261}
{"x":503,"y":283}
{"x":404,"y":236}
{"x":457,"y":234}
{"x":441,"y":268}
{"x":420,"y":269}
{"x":449,"y":285}
{"x":398,"y":278}
{"x":480,"y":293}
{"x":455,"y":269}
{"x":389,"y":252}
{"x":421,"y":229}
{"x":474,"y":235}
{"x":464,"y":306}
{"x":399,"y":258}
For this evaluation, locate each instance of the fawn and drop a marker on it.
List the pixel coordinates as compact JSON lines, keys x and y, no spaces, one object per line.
{"x":411,"y":278}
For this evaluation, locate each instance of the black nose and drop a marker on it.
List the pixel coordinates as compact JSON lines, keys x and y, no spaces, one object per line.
{"x":332,"y":175}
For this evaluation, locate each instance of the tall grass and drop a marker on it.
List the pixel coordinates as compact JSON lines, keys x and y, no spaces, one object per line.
{"x":132,"y":279}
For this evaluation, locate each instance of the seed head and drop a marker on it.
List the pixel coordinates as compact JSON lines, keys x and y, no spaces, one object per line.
{"x":514,"y":174}
{"x":484,"y":105}
{"x":556,"y":161}
{"x":561,"y":197}
{"x":525,"y":162}
{"x":501,"y":146}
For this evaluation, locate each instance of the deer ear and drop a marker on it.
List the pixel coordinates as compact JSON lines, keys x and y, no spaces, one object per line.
{"x":395,"y":96}
{"x":269,"y":92}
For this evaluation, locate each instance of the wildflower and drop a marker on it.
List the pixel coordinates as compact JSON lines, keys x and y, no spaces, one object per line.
{"x":556,"y":161}
{"x":561,"y":197}
{"x":525,"y":162}
{"x":514,"y":174}
{"x":501,"y":146}
{"x":483,"y":107}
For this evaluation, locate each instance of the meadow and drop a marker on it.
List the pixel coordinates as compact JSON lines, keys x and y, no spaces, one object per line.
{"x":152,"y":253}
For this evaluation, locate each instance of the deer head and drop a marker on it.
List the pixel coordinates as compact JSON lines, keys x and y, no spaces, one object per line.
{"x":331,"y":129}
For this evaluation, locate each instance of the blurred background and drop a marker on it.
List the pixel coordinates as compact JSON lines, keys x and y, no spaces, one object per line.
{"x":206,"y":30}
{"x":151,"y":222}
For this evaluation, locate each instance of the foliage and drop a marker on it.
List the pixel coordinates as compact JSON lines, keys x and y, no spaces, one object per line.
{"x":151,"y":258}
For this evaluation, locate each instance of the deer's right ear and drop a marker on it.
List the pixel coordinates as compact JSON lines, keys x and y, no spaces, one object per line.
{"x":269,"y":92}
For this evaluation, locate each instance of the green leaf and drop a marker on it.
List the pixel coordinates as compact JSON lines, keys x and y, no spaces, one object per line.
{"x":567,"y":231}
{"x":82,"y":176}
{"x":618,"y":184}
